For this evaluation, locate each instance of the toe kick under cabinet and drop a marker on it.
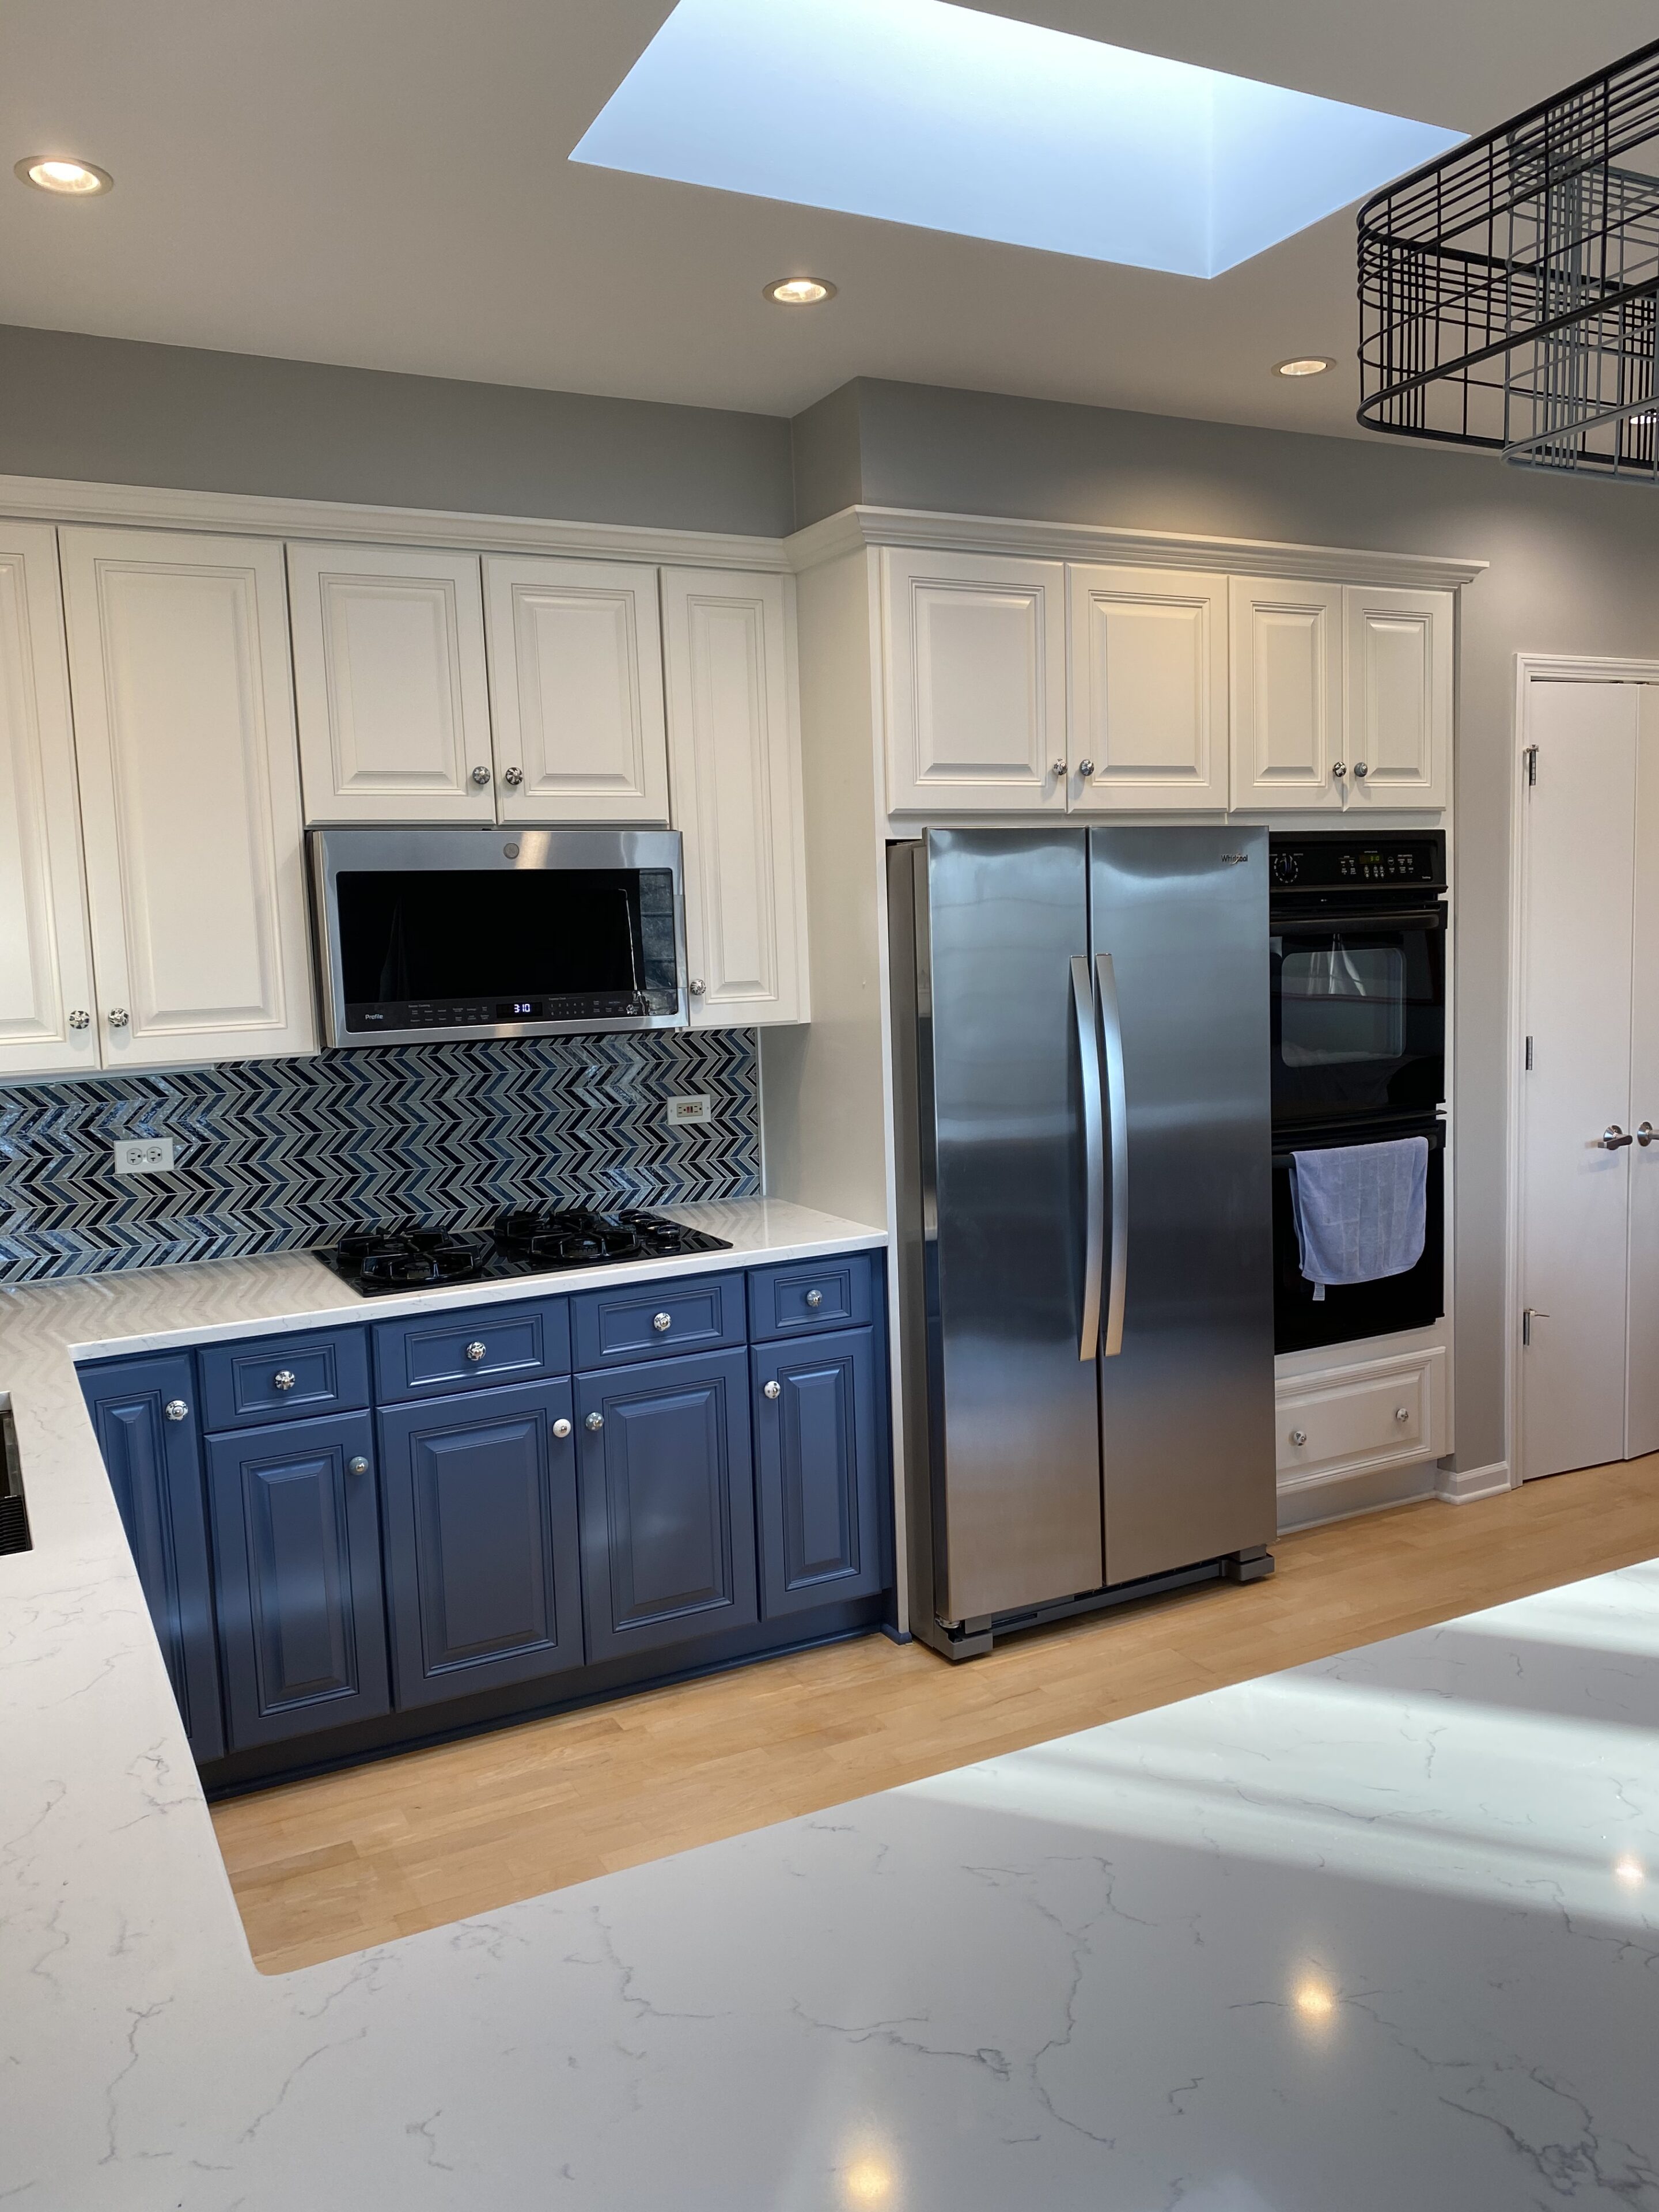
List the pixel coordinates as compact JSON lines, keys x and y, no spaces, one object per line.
{"x":355,"y":1537}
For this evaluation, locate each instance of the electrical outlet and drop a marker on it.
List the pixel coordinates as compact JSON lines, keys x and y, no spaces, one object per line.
{"x":136,"y":1156}
{"x":698,"y":1108}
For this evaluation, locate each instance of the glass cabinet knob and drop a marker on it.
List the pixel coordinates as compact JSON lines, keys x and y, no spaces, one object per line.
{"x":513,"y":778}
{"x":773,"y":1390}
{"x":662,"y":1323}
{"x":80,"y":1019}
{"x":1085,"y":768}
{"x":596,"y":1422}
{"x":1338,"y":769}
{"x":1402,"y":1412}
{"x":815,"y":1298}
{"x":1362,"y":770}
{"x":561,"y":1428}
{"x":358,"y":1466}
{"x":118,"y":1018}
{"x":475,"y":1350}
{"x":175,"y":1409}
{"x":284,"y":1378}
{"x":1298,"y":1436}
{"x":481,"y":776}
{"x":696,"y":987}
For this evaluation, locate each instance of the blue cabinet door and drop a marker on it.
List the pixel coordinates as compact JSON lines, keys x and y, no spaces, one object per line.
{"x":296,"y":1546}
{"x":667,"y":1503}
{"x":483,"y":1577}
{"x":819,"y":1455}
{"x":155,"y":1465}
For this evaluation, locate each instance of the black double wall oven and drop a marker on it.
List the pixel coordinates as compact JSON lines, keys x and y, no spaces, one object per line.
{"x":1358,"y":969}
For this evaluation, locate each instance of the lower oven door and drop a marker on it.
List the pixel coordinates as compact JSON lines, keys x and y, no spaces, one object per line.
{"x":1358,"y":1011}
{"x":1349,"y":1311}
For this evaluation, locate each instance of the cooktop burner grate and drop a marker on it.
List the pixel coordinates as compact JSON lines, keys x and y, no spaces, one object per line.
{"x":527,"y":1241}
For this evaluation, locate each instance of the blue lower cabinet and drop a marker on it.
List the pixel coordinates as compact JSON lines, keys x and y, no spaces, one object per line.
{"x":145,"y":1416}
{"x":818,"y":1412}
{"x":483,"y":1573}
{"x":667,"y":1503}
{"x":296,"y":1545}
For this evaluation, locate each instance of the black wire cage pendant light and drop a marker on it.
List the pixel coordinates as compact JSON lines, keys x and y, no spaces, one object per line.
{"x":1507,"y":291}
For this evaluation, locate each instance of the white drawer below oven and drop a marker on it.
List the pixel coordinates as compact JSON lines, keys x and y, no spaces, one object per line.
{"x":1384,"y":1413}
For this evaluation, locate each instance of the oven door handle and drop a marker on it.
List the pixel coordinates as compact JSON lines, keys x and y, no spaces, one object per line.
{"x":1282,"y":918}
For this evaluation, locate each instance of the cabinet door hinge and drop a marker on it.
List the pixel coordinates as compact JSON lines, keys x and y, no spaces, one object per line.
{"x":1529,"y":1055}
{"x":1530,"y":756}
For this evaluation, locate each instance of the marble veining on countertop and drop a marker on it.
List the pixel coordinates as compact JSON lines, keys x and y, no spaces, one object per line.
{"x":1380,"y":1932}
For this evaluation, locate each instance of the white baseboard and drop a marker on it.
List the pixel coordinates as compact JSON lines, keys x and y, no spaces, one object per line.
{"x":1462,"y":1486}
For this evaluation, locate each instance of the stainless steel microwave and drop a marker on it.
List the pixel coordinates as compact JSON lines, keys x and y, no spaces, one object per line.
{"x":424,"y":934}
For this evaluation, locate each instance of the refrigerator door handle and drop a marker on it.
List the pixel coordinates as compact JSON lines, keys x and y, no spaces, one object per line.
{"x":1094,"y":1151}
{"x":1117,"y":1107}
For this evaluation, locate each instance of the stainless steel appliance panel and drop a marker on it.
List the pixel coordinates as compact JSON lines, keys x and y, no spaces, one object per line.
{"x":1014,"y":1433}
{"x":1187,"y":1405}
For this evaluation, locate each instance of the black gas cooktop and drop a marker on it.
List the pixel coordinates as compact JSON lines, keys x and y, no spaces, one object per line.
{"x":533,"y":1240}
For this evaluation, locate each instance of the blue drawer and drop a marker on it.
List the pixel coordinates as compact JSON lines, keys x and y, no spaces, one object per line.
{"x":472,"y":1349}
{"x":655,"y":1321}
{"x":810,"y":1294}
{"x":282,"y":1378}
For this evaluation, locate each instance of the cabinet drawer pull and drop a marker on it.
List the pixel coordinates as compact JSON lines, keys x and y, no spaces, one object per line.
{"x":773,"y":1390}
{"x":358,"y":1466}
{"x":815,"y":1298}
{"x":284,"y":1378}
{"x":662,"y":1323}
{"x":561,"y":1428}
{"x":1298,"y":1436}
{"x":1402,"y":1412}
{"x":475,"y":1350}
{"x":596,"y":1422}
{"x":175,"y":1409}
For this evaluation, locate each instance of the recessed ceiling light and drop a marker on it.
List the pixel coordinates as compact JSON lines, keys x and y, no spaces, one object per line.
{"x":1305,"y":364}
{"x":76,"y":180}
{"x":799,"y":291}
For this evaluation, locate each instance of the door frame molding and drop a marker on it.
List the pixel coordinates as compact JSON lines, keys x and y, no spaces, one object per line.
{"x":1531,"y":668}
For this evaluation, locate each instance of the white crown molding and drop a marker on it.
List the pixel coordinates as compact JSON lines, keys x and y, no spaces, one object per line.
{"x":53,"y":498}
{"x":1582,"y":668}
{"x":855,"y":528}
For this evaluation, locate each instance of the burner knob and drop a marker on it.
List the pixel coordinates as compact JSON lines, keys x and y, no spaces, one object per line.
{"x":773,"y":1390}
{"x":475,"y":1350}
{"x":596,"y":1422}
{"x":662,"y":1323}
{"x":561,"y":1428}
{"x":815,"y":1298}
{"x":285,"y":1378}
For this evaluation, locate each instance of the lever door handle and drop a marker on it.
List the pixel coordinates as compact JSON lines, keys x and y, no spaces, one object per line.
{"x":1646,"y":1134}
{"x":1614,"y":1138}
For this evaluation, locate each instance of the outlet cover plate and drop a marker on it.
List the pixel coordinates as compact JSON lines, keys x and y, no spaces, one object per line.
{"x":697,"y":1109}
{"x":138,"y":1156}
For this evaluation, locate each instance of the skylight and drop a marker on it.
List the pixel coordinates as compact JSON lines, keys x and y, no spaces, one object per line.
{"x":917,"y":111}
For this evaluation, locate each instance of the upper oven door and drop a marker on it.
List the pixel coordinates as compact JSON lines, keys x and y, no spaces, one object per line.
{"x":1359,"y":1009}
{"x":427,"y":934}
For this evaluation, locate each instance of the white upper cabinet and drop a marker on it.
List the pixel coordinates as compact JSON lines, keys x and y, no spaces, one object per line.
{"x":189,"y":795}
{"x":734,"y":753}
{"x":1147,"y":654}
{"x":575,"y":669}
{"x":1400,"y":695}
{"x":974,"y":650}
{"x":1287,"y":708}
{"x":389,"y":682}
{"x":45,"y":956}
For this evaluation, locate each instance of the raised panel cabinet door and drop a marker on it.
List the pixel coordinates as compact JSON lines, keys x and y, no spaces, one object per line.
{"x":1147,"y":675}
{"x":483,"y":1565}
{"x":818,"y":1466}
{"x":390,"y":688}
{"x":1400,"y":695}
{"x":734,"y":759}
{"x":974,"y":661}
{"x":1286,"y":694}
{"x":189,"y":795}
{"x":576,"y":673}
{"x":667,"y":1503}
{"x":46,"y":955}
{"x":296,"y":1548}
{"x":153,"y":1462}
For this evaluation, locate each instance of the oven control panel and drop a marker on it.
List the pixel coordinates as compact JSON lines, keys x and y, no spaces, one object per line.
{"x":1312,"y":861}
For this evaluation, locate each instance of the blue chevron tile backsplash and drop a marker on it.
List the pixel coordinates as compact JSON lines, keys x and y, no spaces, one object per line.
{"x":271,"y":1154}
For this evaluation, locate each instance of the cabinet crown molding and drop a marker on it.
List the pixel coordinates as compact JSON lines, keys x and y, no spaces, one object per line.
{"x":855,"y":528}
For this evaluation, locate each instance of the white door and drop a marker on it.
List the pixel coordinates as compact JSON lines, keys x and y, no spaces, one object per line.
{"x":46,"y":955}
{"x":1398,"y":736}
{"x":1580,"y":864}
{"x":1642,"y":1368}
{"x":389,"y":683}
{"x":1147,"y":655}
{"x":1286,"y":694}
{"x":190,"y":794}
{"x":575,"y":670}
{"x":974,"y":660}
{"x":734,"y":753}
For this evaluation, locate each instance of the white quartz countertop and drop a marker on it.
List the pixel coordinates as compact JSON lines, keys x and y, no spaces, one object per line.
{"x":1380,"y":1932}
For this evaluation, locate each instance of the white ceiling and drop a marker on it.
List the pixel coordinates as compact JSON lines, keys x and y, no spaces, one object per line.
{"x":384,"y":183}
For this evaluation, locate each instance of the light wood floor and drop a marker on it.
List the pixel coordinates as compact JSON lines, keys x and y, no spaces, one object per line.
{"x":326,"y":1867}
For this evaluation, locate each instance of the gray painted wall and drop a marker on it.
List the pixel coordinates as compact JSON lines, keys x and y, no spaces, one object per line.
{"x":112,"y":410}
{"x":1574,"y":569}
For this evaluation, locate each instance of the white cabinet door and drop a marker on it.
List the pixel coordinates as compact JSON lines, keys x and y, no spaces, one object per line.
{"x":389,"y":683}
{"x":734,"y":754}
{"x":1399,"y":651}
{"x":46,"y":958}
{"x":1286,"y":694}
{"x":1147,"y":651}
{"x":974,"y":651}
{"x":575,"y":667}
{"x":190,"y":794}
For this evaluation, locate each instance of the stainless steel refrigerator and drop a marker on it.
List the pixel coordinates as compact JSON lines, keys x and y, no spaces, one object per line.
{"x":1081,"y":1058}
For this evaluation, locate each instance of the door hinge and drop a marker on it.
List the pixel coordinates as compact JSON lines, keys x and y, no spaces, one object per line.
{"x":1528,"y":1316}
{"x":1529,"y":1055}
{"x":1530,"y":756}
